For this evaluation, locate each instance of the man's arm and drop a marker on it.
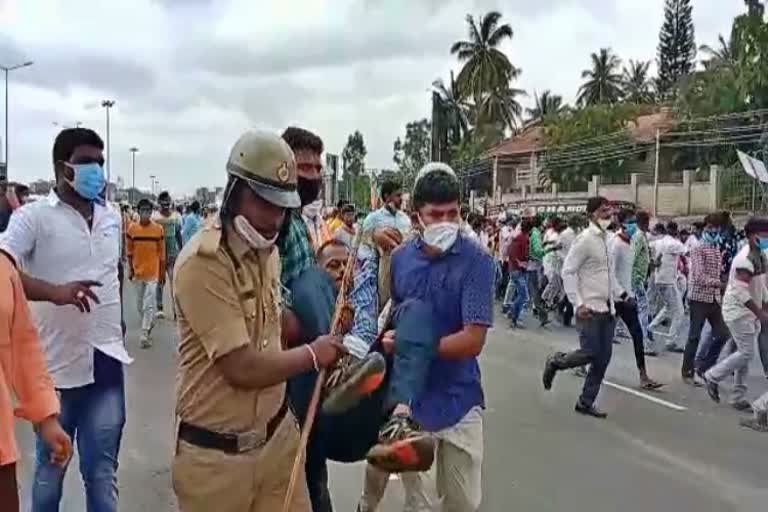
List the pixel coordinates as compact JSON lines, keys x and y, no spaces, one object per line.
{"x":207,"y":300}
{"x":571,"y":265}
{"x":161,"y":254}
{"x":179,"y":242}
{"x":476,"y":312}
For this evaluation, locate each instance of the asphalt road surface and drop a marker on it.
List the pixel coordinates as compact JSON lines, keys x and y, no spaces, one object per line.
{"x":668,"y":451}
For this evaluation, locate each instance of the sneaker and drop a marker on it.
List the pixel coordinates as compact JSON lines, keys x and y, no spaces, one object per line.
{"x":145,"y":340}
{"x":742,"y":406}
{"x":713,"y":389}
{"x":160,"y":315}
{"x":402,"y":447}
{"x":550,"y":369}
{"x":759,"y":423}
{"x":351,"y":379}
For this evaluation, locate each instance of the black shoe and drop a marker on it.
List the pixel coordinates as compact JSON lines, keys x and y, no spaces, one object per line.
{"x":589,"y":410}
{"x":692,"y":382}
{"x":675,"y":349}
{"x":742,"y":406}
{"x":550,"y":369}
{"x":713,"y":389}
{"x":651,"y":353}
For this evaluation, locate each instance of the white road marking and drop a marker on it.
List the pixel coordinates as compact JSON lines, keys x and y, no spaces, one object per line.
{"x":393,"y":476}
{"x":653,"y":399}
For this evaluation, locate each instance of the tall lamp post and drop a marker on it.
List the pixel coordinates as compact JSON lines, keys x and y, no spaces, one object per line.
{"x":8,"y":69}
{"x":133,"y":151}
{"x":108,"y":104}
{"x":152,"y":183}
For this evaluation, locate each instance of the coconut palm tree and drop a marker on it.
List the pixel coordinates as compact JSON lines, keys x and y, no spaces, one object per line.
{"x":722,"y":56}
{"x":501,"y":106}
{"x":637,"y":87}
{"x":604,"y":82}
{"x":452,"y":110}
{"x":546,"y":104}
{"x":486,"y":68}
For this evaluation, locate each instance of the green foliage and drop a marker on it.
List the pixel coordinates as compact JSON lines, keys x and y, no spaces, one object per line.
{"x":413,"y":153}
{"x":353,"y":155}
{"x":677,"y":46}
{"x":357,"y":190}
{"x":603,"y":80}
{"x":637,"y":87}
{"x":485,"y":66}
{"x":560,"y":165}
{"x":546,"y":104}
{"x":750,"y":49}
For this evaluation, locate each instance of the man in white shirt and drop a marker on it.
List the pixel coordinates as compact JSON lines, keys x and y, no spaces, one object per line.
{"x":589,"y":284}
{"x":68,"y":246}
{"x":668,"y":250}
{"x":745,"y":305}
{"x":622,"y":259}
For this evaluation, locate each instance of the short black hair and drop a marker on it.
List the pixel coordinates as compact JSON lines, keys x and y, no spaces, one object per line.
{"x":164,"y":195}
{"x":333,"y":242}
{"x":712,"y":219}
{"x":436,"y":187}
{"x":70,"y":138}
{"x":594,"y":204}
{"x":300,"y":139}
{"x":756,"y":225}
{"x":624,"y":214}
{"x":659,"y":228}
{"x":698,"y":225}
{"x":340,"y":203}
{"x":389,"y":187}
{"x":194,"y":207}
{"x":143,"y":202}
{"x":643,"y":217}
{"x":348,"y":208}
{"x":672,"y":227}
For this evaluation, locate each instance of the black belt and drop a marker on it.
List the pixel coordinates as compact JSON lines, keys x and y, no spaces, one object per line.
{"x":231,"y":442}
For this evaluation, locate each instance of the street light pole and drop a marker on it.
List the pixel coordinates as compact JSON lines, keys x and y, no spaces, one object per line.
{"x":7,"y":70}
{"x":108,"y":104}
{"x":133,"y":151}
{"x":152,"y":183}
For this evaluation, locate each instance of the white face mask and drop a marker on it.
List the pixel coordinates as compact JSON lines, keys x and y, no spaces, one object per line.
{"x":603,"y":223}
{"x":251,"y":236}
{"x":441,"y":235}
{"x":312,"y":210}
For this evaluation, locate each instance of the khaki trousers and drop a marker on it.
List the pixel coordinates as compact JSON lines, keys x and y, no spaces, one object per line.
{"x":456,"y":483}
{"x":210,"y":480}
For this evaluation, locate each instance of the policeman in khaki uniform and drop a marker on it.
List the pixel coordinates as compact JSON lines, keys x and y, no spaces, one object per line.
{"x":236,"y":436}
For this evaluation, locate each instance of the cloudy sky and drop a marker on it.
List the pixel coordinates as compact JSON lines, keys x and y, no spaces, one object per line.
{"x":189,"y":75}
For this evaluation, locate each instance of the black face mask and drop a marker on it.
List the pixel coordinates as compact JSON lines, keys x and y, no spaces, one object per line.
{"x":308,"y":190}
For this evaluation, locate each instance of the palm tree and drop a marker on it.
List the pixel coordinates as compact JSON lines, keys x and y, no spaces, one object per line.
{"x":501,"y":106}
{"x":452,"y":110}
{"x":637,"y":87}
{"x":723,"y":56}
{"x":604,"y":82}
{"x":486,"y":68}
{"x":546,"y":104}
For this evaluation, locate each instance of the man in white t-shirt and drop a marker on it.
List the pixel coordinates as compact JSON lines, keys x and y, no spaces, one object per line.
{"x":745,"y":305}
{"x":668,"y":250}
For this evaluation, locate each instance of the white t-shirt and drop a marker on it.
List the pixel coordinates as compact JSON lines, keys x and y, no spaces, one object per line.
{"x":670,"y":249}
{"x":737,"y":293}
{"x":505,"y":238}
{"x":551,"y":262}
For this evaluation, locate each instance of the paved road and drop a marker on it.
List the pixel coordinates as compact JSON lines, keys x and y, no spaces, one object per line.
{"x":670,"y":451}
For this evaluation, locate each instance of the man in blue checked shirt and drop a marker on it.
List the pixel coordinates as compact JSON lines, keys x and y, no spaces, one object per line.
{"x":442,"y":295}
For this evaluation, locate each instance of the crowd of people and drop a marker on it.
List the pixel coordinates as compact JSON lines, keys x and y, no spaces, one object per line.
{"x":395,"y":306}
{"x":609,"y":266}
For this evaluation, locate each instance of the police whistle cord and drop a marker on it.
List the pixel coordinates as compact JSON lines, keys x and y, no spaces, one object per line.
{"x":342,"y":301}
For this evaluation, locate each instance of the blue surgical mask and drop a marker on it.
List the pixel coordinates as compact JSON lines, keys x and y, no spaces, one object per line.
{"x":710,"y":237}
{"x":89,"y":180}
{"x":762,"y":243}
{"x":630,"y":228}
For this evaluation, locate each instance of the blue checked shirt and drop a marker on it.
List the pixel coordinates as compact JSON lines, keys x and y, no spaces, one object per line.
{"x":365,"y":301}
{"x":296,"y":254}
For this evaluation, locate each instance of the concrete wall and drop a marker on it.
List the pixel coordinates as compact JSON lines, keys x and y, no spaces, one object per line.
{"x":668,"y":199}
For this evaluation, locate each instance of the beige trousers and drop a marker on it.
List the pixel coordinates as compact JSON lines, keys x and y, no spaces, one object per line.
{"x":453,"y":484}
{"x":210,"y":480}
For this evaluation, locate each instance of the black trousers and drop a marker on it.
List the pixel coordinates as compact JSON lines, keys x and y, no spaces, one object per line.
{"x":629,"y":315}
{"x":702,"y":312}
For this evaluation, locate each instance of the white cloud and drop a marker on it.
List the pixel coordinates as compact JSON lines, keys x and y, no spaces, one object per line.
{"x":189,"y":75}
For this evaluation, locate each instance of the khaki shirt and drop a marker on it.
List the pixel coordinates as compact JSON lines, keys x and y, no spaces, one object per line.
{"x":227,"y":296}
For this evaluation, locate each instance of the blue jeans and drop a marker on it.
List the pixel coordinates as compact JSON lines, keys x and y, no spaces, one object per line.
{"x":518,"y":286}
{"x":93,"y":416}
{"x":348,"y":437}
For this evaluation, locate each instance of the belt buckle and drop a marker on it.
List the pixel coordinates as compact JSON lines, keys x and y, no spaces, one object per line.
{"x":248,"y":441}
